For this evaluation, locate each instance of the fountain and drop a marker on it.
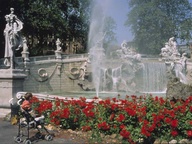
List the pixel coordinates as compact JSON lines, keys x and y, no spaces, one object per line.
{"x":123,"y":71}
{"x":127,"y":72}
{"x":178,"y":86}
{"x":95,"y":41}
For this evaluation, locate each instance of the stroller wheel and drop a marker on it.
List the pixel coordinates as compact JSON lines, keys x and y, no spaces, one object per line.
{"x":27,"y":142}
{"x":48,"y":137}
{"x":38,"y":135}
{"x":18,"y":139}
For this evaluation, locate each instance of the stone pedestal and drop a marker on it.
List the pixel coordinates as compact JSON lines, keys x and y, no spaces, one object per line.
{"x":11,"y":82}
{"x":58,"y":54}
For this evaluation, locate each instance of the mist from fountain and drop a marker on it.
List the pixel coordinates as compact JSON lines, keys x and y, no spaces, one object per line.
{"x":127,"y":72}
{"x":95,"y":43}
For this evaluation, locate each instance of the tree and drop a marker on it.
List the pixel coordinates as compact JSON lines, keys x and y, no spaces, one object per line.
{"x":153,"y":22}
{"x":46,"y":20}
{"x":110,"y":35}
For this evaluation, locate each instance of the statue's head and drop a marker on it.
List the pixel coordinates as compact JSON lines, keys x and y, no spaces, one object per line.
{"x":124,"y":43}
{"x":172,"y":39}
{"x":11,"y":15}
{"x":12,"y":10}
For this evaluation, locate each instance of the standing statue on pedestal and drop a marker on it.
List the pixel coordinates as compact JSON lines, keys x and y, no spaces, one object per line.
{"x":58,"y":52}
{"x":13,"y":39}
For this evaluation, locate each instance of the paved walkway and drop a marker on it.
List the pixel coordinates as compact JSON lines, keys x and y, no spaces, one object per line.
{"x":4,"y":112}
{"x":9,"y":131}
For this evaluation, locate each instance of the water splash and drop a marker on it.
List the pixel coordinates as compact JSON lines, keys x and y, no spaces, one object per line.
{"x":95,"y":43}
{"x":154,"y":77}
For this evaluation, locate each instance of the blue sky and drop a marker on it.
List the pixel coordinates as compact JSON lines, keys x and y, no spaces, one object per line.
{"x":118,"y":10}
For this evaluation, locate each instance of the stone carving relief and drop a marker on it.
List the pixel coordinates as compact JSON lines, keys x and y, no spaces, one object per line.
{"x":79,"y":73}
{"x":83,"y":77}
{"x":42,"y":73}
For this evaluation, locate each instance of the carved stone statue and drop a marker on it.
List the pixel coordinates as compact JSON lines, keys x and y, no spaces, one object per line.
{"x":173,"y":46}
{"x":58,"y":52}
{"x":131,"y":64}
{"x":13,"y":39}
{"x":58,"y":45}
{"x":25,"y":52}
{"x":175,"y":63}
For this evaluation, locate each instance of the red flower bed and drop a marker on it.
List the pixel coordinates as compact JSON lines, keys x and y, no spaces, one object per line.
{"x":133,"y":118}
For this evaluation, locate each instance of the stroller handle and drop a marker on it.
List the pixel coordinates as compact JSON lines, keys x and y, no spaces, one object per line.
{"x":19,"y":102}
{"x":11,"y":101}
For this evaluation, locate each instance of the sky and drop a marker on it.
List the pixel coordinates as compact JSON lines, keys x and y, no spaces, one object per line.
{"x":118,"y":9}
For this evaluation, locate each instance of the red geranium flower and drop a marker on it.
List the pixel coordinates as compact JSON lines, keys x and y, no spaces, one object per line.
{"x":65,"y":113}
{"x":44,"y":106}
{"x":174,"y":133}
{"x":103,"y":126}
{"x":55,"y":121}
{"x":86,"y":128}
{"x":88,"y":112}
{"x":121,"y":118}
{"x":124,"y":133}
{"x":144,"y":131}
{"x":122,"y":126}
{"x":57,"y":102}
{"x":174,"y":123}
{"x":167,"y":120}
{"x":34,"y":99}
{"x":130,"y":111}
{"x":162,"y":101}
{"x":114,"y":106}
{"x":190,"y":122}
{"x":189,"y":133}
{"x":112,"y":116}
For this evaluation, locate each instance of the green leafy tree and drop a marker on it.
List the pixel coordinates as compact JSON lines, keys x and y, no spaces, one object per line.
{"x":46,"y":20}
{"x":110,"y":35}
{"x":153,"y":22}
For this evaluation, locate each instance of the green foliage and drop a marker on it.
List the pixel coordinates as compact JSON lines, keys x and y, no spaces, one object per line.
{"x":109,"y":27}
{"x":46,"y":20}
{"x":154,"y":22}
{"x":133,"y":119}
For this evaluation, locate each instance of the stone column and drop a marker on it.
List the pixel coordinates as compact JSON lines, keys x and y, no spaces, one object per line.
{"x":11,"y":82}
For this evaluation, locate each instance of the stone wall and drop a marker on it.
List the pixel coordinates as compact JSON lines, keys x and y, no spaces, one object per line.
{"x":49,"y":75}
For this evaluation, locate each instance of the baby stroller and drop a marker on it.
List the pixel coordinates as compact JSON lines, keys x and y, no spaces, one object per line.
{"x":27,"y":121}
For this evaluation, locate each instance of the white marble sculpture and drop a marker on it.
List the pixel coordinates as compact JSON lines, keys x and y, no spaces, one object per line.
{"x":13,"y":39}
{"x":175,"y":62}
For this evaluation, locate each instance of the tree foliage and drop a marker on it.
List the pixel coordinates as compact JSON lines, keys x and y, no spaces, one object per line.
{"x":109,"y":27}
{"x":46,"y":20}
{"x":153,"y":22}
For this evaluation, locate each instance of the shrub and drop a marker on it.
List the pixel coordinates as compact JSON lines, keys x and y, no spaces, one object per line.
{"x":133,"y":118}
